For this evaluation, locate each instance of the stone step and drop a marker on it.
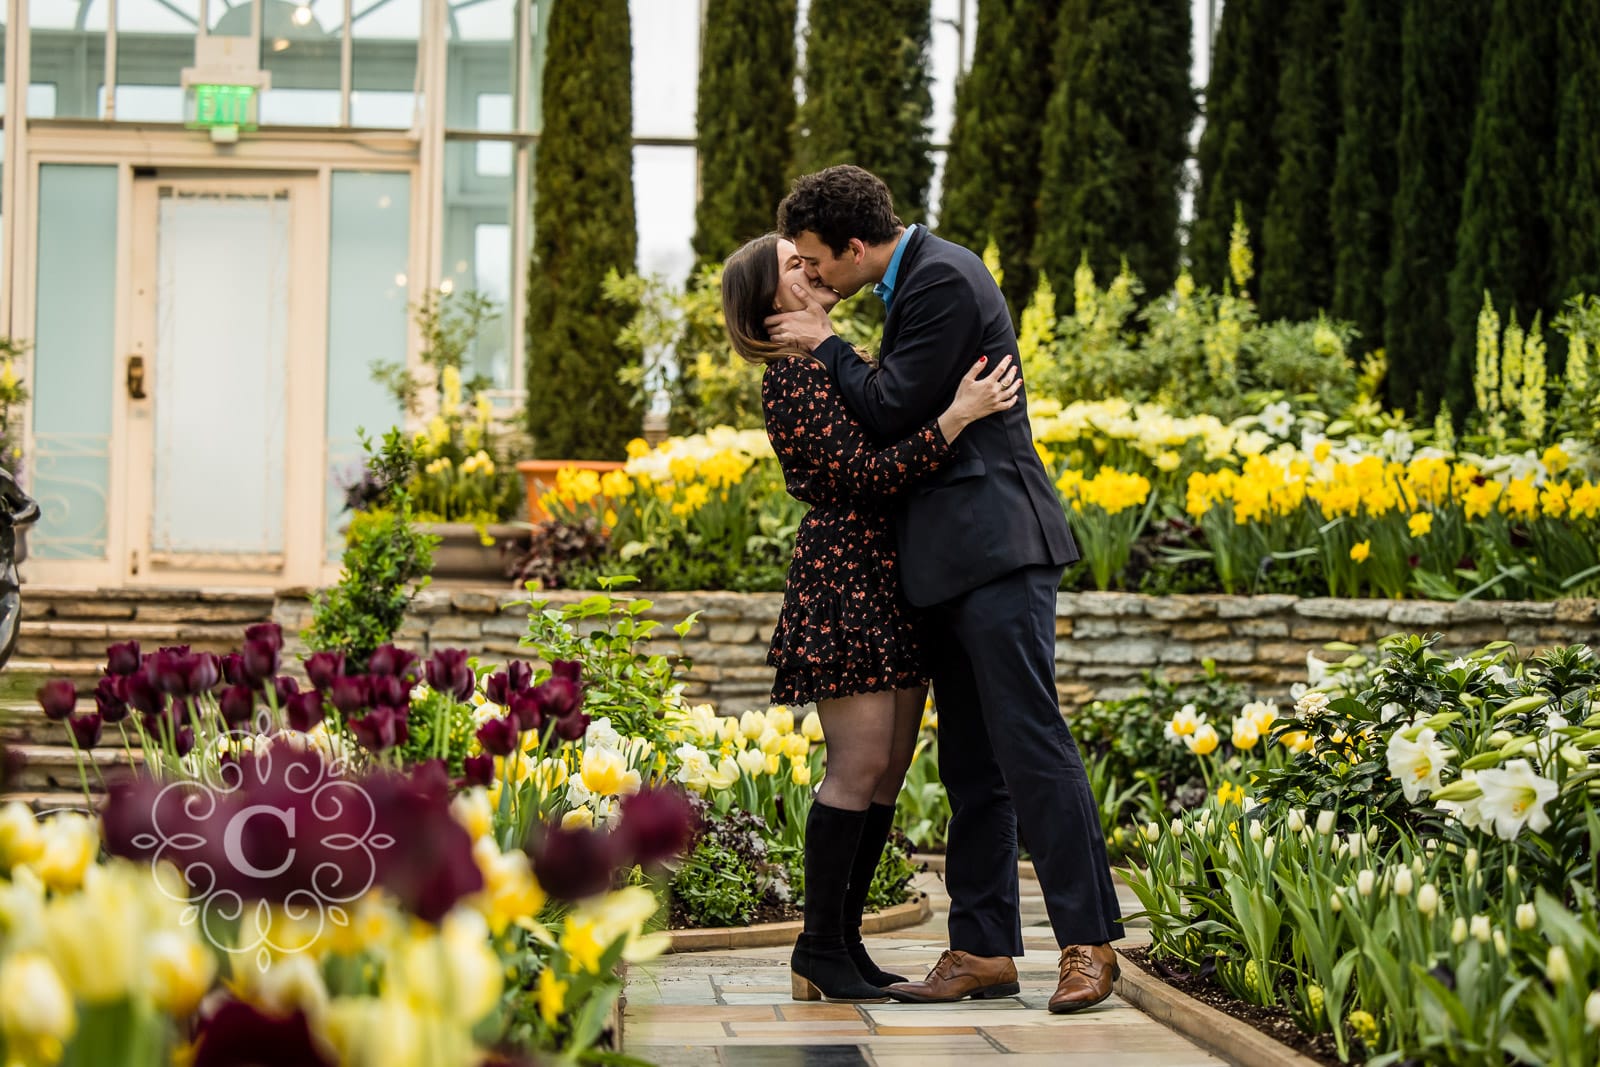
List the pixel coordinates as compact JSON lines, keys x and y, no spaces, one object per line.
{"x":42,"y":802}
{"x":54,"y":768}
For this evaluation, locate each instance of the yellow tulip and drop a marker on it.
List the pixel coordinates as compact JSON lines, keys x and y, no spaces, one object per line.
{"x":773,"y":763}
{"x":36,"y":1010}
{"x":1204,"y":741}
{"x":179,"y":969}
{"x":752,"y":724}
{"x":753,"y":762}
{"x":581,"y":817}
{"x":811,"y":727}
{"x":510,"y":891}
{"x":21,"y":839}
{"x":800,"y":773}
{"x":796,"y":746}
{"x":69,"y":844}
{"x":605,"y":773}
{"x":781,"y":719}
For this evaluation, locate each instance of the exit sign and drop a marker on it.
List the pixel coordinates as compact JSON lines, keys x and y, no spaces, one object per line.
{"x":224,"y":105}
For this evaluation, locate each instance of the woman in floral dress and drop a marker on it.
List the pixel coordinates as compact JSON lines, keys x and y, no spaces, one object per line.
{"x":846,"y":639}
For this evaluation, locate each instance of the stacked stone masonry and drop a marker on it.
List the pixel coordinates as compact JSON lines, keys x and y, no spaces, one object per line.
{"x":1105,"y":642}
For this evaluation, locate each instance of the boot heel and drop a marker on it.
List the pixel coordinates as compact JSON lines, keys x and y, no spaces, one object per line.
{"x":995,"y":992}
{"x":802,"y":989}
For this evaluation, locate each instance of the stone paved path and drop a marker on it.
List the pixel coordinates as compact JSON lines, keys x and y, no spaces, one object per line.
{"x":732,"y":1009}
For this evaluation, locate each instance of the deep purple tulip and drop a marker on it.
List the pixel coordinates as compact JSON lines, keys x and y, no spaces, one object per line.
{"x":560,"y":696}
{"x":142,"y":693}
{"x":379,"y":729}
{"x":431,"y":867}
{"x":57,"y":697}
{"x":573,"y":864}
{"x":184,"y":741}
{"x":85,"y":729}
{"x":108,"y":700}
{"x":238,"y":1033}
{"x":656,"y":824}
{"x":286,"y":689}
{"x":528,"y":710}
{"x":387,"y":689}
{"x":122,"y":659}
{"x":323,"y":667}
{"x":260,"y":660}
{"x":497,"y":689}
{"x":350,"y":693}
{"x":431,"y":779}
{"x":520,"y":675}
{"x":269,"y":633}
{"x":168,"y":670}
{"x":304,"y":711}
{"x":233,"y":669}
{"x":477,"y":770}
{"x":238,"y":703}
{"x":572,"y":727}
{"x":570,"y":669}
{"x":394,"y":662}
{"x":449,"y":672}
{"x":498,"y":736}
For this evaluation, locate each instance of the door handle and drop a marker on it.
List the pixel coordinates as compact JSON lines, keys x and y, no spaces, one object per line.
{"x":136,"y":378}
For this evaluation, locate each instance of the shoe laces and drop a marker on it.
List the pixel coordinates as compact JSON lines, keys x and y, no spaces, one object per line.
{"x":946,"y":964}
{"x":1076,"y":958}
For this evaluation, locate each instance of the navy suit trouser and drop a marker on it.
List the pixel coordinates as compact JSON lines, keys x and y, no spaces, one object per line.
{"x":1008,"y":759}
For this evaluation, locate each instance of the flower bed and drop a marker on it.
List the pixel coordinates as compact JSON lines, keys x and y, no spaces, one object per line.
{"x":1408,"y":865}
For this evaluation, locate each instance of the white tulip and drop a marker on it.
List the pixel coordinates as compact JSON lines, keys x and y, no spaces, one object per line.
{"x":1325,"y":821}
{"x":1527,"y":917}
{"x":1364,"y":882}
{"x":1428,"y":899}
{"x":1481,"y":929}
{"x":1402,"y":881}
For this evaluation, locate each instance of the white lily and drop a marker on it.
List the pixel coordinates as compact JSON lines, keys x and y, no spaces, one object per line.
{"x":1514,"y":796}
{"x":1416,"y":765}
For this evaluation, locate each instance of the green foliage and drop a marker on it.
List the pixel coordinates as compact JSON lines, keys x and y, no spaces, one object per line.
{"x":742,"y":126}
{"x":1297,"y":250}
{"x":583,"y":220}
{"x":1578,"y":411}
{"x":13,"y":395}
{"x":449,"y":324}
{"x":1116,"y":138}
{"x":1574,"y":181}
{"x":1503,"y":243}
{"x":867,"y":99}
{"x":1441,"y":43}
{"x":1364,"y":176}
{"x":922,"y":810}
{"x":386,"y":560}
{"x":716,"y":886}
{"x":1237,"y":156}
{"x":622,"y":678}
{"x":439,"y":728}
{"x":992,"y":174}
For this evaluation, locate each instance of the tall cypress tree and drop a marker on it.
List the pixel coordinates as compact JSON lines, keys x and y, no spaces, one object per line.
{"x":746,"y":112}
{"x":1237,"y":157}
{"x":583,"y":226}
{"x":1297,"y":251}
{"x":1116,"y":138}
{"x":1441,"y":44}
{"x":991,"y":180}
{"x":1574,"y":188}
{"x":867,"y":96}
{"x":1503,"y":242}
{"x":1364,"y":177}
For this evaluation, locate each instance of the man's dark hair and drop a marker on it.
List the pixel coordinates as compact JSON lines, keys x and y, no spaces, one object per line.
{"x":839,"y":203}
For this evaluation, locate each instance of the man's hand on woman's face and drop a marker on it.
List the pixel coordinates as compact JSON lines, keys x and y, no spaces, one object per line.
{"x":808,"y":327}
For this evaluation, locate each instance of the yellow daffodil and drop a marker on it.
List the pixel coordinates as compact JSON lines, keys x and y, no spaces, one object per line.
{"x":1420,"y":524}
{"x":1360,"y":551}
{"x":551,"y":993}
{"x":582,"y":946}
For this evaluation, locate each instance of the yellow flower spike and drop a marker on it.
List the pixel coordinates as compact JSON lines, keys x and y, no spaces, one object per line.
{"x":551,"y":993}
{"x":1360,"y":551}
{"x":581,"y":945}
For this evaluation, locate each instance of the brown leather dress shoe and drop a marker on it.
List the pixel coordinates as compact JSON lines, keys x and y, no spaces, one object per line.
{"x":958,"y":975}
{"x":1087,"y":972}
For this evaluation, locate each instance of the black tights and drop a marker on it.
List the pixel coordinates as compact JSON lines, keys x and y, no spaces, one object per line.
{"x":871,"y":738}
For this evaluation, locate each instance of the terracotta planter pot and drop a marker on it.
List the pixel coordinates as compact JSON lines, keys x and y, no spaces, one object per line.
{"x":539,"y":477}
{"x":461,"y":554}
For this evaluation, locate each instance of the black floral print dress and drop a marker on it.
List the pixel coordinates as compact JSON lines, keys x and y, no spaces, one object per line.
{"x":845,"y":627}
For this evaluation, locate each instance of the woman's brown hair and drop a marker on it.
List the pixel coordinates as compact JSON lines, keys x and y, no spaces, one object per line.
{"x":749,"y":284}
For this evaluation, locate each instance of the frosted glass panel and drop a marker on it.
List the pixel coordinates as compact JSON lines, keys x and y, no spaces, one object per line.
{"x":369,"y":241}
{"x":219,"y":382}
{"x":74,"y":350}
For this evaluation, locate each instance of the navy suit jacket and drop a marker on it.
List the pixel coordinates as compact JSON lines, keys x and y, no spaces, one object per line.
{"x":991,"y":509}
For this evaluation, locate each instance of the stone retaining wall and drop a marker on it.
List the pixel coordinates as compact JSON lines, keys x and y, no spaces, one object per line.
{"x":1105,"y":642}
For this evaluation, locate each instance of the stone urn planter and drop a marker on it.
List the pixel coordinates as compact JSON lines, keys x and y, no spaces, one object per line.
{"x":539,"y":477}
{"x":462,"y":556}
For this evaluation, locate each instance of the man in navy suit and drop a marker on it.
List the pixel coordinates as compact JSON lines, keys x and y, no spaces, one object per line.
{"x":982,"y":547}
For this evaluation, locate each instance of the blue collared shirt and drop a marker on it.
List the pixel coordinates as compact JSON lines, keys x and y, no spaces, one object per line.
{"x":884,"y":290}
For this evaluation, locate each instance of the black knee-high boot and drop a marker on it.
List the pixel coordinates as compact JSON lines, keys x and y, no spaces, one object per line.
{"x":874,"y":836}
{"x":821,"y":966}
